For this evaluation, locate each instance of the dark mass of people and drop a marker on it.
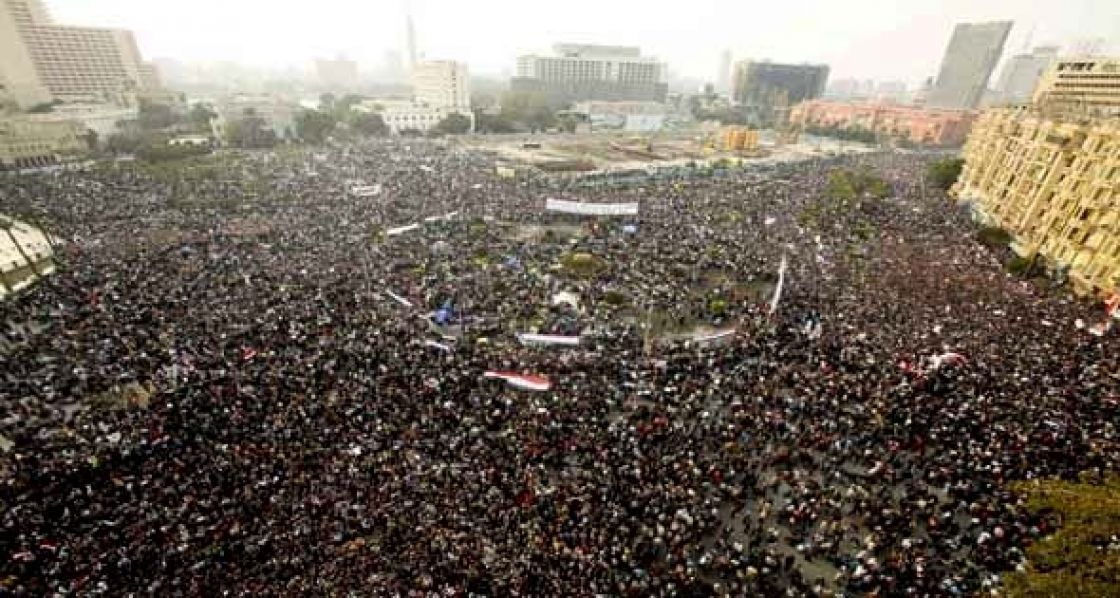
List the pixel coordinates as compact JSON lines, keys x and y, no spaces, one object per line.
{"x":238,"y":383}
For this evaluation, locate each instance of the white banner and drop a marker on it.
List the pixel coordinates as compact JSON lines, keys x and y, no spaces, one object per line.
{"x":400,"y":230}
{"x":548,"y":339}
{"x":591,"y":209}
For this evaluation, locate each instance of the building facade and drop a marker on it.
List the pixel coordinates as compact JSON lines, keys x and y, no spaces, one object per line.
{"x":580,"y":72}
{"x":102,"y":119}
{"x":442,"y":83}
{"x":1022,"y":73}
{"x":278,"y":114}
{"x":339,"y":74}
{"x":406,"y":116}
{"x":26,"y":143}
{"x":923,"y":126}
{"x":767,"y":88}
{"x":1054,"y":185}
{"x":42,"y":61}
{"x":1083,"y":86}
{"x":973,"y":52}
{"x":623,"y":116}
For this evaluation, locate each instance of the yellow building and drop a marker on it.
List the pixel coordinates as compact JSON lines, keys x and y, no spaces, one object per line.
{"x":1054,"y":185}
{"x":25,"y":143}
{"x":1084,"y":85}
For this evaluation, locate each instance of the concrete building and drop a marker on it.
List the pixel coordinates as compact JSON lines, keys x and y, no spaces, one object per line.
{"x":278,"y":114}
{"x":1022,"y":73}
{"x":580,"y":72}
{"x":765,"y":89}
{"x":442,"y":83}
{"x":1081,"y":86}
{"x":41,"y":60}
{"x":339,"y":74}
{"x":925,"y":126}
{"x":102,"y":119}
{"x":25,"y":143}
{"x":973,"y":53}
{"x":1054,"y":185}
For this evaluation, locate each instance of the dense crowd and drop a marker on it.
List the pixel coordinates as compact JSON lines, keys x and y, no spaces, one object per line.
{"x":220,"y":392}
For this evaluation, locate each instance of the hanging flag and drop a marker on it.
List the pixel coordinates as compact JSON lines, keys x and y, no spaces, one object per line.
{"x":1112,"y":306}
{"x":781,"y":283}
{"x":548,"y":339}
{"x":398,"y":298}
{"x":522,"y":381}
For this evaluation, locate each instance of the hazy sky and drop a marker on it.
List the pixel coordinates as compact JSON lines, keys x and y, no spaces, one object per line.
{"x":885,"y":39}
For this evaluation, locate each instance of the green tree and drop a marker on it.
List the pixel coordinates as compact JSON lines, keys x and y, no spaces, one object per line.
{"x":1077,"y":560}
{"x":90,"y":138}
{"x":531,"y":109}
{"x":315,"y":126}
{"x":943,"y":174}
{"x":368,"y":124}
{"x":200,"y":116}
{"x":453,"y":124}
{"x":155,"y":116}
{"x":250,"y":131}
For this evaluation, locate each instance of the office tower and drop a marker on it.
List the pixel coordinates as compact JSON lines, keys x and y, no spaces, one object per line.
{"x":972,"y":54}
{"x":442,"y":84}
{"x":766,"y":89}
{"x":1022,"y":73}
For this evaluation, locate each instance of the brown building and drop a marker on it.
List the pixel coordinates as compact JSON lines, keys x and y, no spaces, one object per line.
{"x":926,"y":126}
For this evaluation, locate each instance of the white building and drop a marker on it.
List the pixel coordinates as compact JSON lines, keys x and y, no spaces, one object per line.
{"x":442,"y":83}
{"x":278,"y":114}
{"x":592,"y":72}
{"x":403,"y":115}
{"x":1022,"y":73}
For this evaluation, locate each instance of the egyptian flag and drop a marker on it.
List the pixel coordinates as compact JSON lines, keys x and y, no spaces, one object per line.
{"x":522,"y":381}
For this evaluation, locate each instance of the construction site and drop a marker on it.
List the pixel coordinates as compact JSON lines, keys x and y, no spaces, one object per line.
{"x":611,"y":152}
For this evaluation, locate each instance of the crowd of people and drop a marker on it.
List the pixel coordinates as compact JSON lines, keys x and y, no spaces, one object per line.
{"x":238,"y":382}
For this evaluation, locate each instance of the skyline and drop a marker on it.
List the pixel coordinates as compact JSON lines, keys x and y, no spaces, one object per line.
{"x":852,"y":37}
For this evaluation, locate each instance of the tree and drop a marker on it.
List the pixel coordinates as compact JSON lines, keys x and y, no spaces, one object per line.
{"x":1078,"y":559}
{"x":531,"y":109}
{"x":156,"y":116}
{"x":453,"y":124}
{"x":315,"y":126}
{"x":943,"y":174}
{"x":90,"y":138}
{"x":200,"y":116}
{"x":250,"y":131}
{"x":368,"y":124}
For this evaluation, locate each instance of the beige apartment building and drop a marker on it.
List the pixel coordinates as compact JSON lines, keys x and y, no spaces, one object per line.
{"x":1081,"y":86}
{"x":1054,"y":184}
{"x":41,"y":60}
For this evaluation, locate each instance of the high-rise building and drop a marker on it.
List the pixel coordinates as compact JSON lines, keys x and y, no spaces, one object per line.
{"x":442,"y":84}
{"x":972,"y":54}
{"x":767,"y":88}
{"x":723,"y":82}
{"x":1022,"y":72}
{"x":591,"y":72}
{"x":1081,"y":86}
{"x":339,"y":74}
{"x":41,"y":60}
{"x":410,"y":35}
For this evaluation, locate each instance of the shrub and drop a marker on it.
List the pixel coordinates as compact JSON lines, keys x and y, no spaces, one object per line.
{"x":944,"y":173}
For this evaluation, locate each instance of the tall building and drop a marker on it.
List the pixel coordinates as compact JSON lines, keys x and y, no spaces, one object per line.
{"x":410,"y":35}
{"x":442,"y":84}
{"x":1022,"y":72}
{"x":1054,"y":184}
{"x":580,"y":72}
{"x":723,"y":81}
{"x":41,"y":60}
{"x":339,"y":74}
{"x":1081,"y":86}
{"x":972,"y":54}
{"x":766,"y":89}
